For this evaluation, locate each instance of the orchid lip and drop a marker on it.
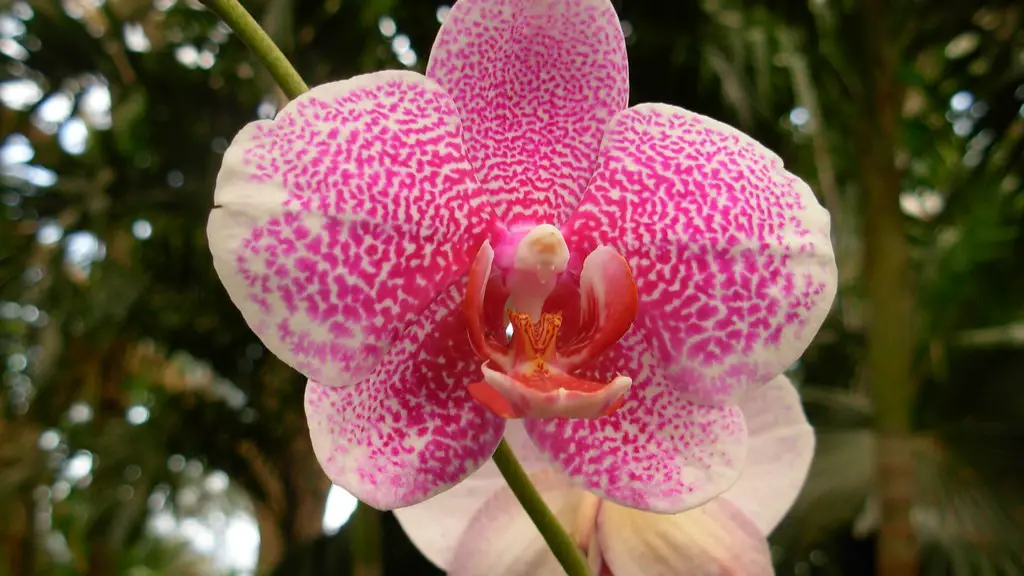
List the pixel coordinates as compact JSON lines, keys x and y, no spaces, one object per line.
{"x":530,"y":374}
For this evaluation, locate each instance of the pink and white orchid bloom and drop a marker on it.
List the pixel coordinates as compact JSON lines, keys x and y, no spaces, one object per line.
{"x":478,"y":528}
{"x":382,"y":233}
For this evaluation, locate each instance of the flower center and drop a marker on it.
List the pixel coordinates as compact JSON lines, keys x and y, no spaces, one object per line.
{"x":560,"y":321}
{"x":536,"y":339}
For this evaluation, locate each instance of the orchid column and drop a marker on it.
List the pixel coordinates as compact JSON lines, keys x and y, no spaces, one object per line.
{"x":504,"y":238}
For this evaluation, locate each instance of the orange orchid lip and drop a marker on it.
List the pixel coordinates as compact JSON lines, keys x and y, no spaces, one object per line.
{"x":531,"y":375}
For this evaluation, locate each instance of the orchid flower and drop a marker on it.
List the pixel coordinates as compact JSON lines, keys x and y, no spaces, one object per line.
{"x":503,"y":238}
{"x":478,"y":527}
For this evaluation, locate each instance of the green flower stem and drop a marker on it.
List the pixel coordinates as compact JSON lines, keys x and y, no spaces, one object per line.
{"x":564,"y":549}
{"x":235,"y":15}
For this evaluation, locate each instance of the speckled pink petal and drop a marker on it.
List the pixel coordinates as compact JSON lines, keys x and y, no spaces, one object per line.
{"x":716,"y":539}
{"x":660,"y":451}
{"x":435,"y":526}
{"x":340,"y":220}
{"x":779,"y":453}
{"x":536,"y":82}
{"x":410,"y":430}
{"x":730,"y":252}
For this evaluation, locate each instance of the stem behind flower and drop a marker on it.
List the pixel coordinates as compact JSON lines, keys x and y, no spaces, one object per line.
{"x":243,"y":24}
{"x":558,"y":540}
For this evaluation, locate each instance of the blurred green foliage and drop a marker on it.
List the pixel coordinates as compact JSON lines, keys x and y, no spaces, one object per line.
{"x":136,"y":403}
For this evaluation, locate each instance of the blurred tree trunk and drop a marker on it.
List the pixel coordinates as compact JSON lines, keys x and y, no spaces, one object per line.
{"x":890,"y":332}
{"x":19,"y":537}
{"x":101,"y":561}
{"x":272,"y":541}
{"x":366,"y":542}
{"x":308,"y":488}
{"x":292,"y":510}
{"x":294,"y":487}
{"x":106,"y":379}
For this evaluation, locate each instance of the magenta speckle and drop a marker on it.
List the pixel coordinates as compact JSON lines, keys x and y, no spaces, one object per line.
{"x":660,"y":451}
{"x":731,"y":253}
{"x":410,"y":429}
{"x":360,"y":236}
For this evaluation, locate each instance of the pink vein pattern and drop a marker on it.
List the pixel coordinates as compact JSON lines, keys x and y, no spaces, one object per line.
{"x":731,"y":254}
{"x":535,"y":82}
{"x":410,"y":430}
{"x":340,"y":220}
{"x":660,"y":451}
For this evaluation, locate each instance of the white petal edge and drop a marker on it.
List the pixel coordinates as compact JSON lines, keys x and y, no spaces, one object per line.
{"x":779,"y":453}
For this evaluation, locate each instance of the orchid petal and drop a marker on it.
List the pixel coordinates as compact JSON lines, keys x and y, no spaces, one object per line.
{"x":435,"y":526}
{"x":659,"y":451}
{"x":410,"y":430}
{"x":730,"y":253}
{"x":536,"y":82}
{"x":339,"y":221}
{"x":716,"y":539}
{"x":501,"y":538}
{"x":609,"y":301}
{"x":779,"y":453}
{"x":482,"y":336}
